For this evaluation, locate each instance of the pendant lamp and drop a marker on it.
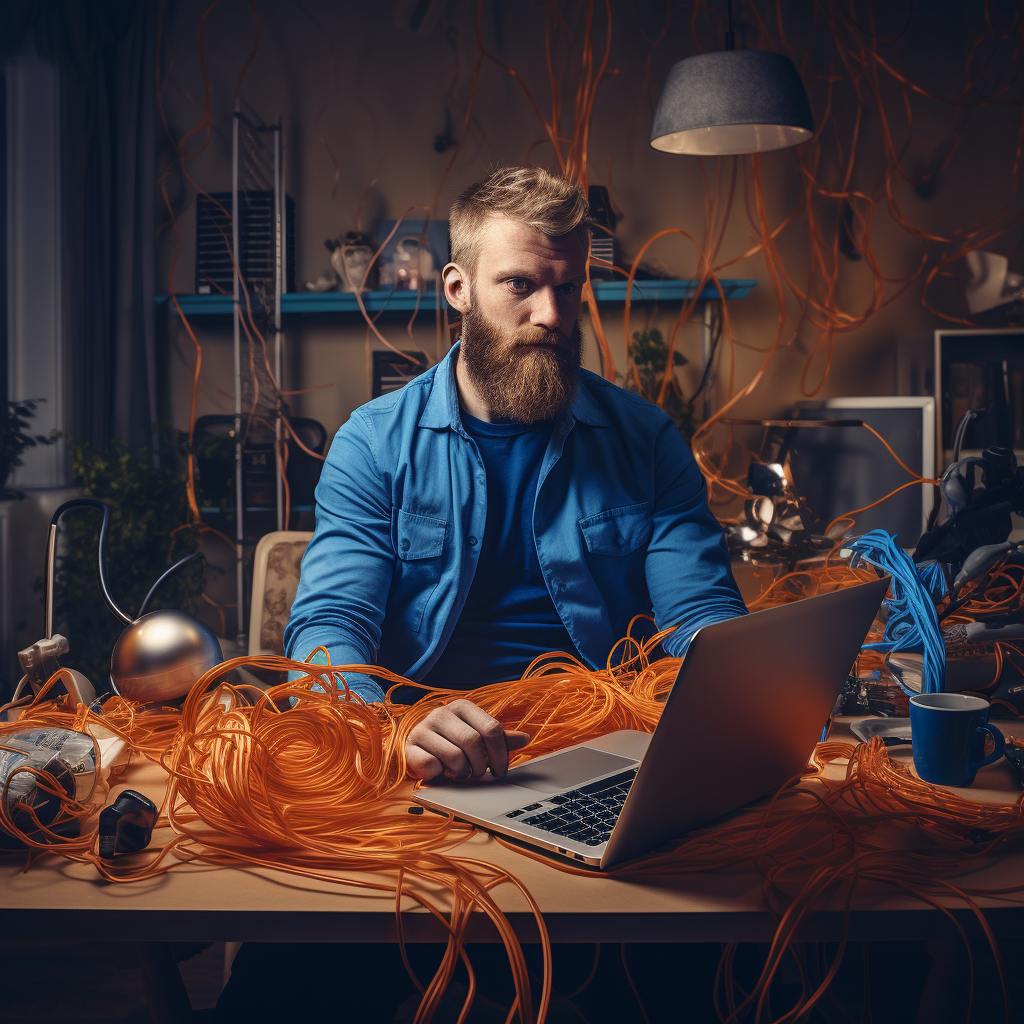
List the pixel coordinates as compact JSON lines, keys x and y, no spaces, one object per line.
{"x":732,"y":102}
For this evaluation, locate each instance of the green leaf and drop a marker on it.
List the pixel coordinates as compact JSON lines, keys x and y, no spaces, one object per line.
{"x":15,"y":439}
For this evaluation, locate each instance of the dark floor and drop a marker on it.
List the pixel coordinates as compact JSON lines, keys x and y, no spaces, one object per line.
{"x":73,"y":979}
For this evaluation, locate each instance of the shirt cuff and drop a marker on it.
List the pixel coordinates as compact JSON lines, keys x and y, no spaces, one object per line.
{"x":340,"y":654}
{"x":677,"y":642}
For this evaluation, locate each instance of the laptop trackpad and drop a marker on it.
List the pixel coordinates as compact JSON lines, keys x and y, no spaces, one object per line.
{"x":567,"y":770}
{"x":490,"y":798}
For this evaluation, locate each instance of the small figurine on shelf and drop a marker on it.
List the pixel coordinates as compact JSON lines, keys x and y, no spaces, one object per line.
{"x":350,"y":258}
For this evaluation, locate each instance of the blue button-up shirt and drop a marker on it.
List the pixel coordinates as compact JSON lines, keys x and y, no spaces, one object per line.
{"x":620,"y":521}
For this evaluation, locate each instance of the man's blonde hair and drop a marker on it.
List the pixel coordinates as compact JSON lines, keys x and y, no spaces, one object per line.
{"x":554,"y":205}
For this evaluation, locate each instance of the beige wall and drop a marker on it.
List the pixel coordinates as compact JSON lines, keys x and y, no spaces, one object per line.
{"x":342,"y":76}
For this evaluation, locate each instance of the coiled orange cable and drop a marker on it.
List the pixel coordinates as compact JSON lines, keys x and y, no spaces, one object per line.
{"x":316,"y":789}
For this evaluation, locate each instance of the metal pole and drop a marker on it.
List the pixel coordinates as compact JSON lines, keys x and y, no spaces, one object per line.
{"x":239,"y":498}
{"x":708,"y":390}
{"x":278,"y":285}
{"x":284,"y":221}
{"x":51,"y":568}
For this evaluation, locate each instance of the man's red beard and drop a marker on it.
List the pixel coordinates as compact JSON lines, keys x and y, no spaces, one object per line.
{"x":526,"y":377}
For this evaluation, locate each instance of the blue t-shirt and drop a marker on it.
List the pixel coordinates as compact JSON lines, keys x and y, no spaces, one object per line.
{"x":509,"y":617}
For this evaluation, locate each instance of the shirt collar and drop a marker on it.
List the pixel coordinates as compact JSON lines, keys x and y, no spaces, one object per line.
{"x":442,"y":407}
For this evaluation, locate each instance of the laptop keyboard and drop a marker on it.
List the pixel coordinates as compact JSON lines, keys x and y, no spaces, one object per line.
{"x":587,"y":814}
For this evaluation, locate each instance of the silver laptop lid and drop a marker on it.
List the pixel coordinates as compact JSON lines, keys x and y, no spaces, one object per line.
{"x":750,"y":701}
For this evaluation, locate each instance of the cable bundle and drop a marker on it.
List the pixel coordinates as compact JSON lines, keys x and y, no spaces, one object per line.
{"x":314,"y":789}
{"x":560,"y":701}
{"x":913,"y":623}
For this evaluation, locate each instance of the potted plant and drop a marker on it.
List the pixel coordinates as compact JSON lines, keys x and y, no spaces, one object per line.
{"x":15,"y":440}
{"x":648,"y":364}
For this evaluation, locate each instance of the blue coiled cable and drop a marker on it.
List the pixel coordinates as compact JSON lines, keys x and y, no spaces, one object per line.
{"x":913,"y":623}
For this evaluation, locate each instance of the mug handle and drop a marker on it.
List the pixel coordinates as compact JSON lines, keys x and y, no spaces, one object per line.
{"x":1000,"y":747}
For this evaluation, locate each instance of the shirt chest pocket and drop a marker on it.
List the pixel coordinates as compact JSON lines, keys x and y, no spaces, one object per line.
{"x":419,"y":544}
{"x":618,"y":531}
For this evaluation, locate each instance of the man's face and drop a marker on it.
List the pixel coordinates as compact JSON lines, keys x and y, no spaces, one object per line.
{"x":521,"y":338}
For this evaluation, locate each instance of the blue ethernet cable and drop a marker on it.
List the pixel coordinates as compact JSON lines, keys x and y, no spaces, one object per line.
{"x":913,"y":623}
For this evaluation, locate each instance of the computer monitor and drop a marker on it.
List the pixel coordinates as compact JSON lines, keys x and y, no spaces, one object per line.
{"x":983,"y":371}
{"x":839,"y":469}
{"x":973,"y":368}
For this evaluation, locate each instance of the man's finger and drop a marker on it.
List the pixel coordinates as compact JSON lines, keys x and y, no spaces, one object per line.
{"x":421,"y":764}
{"x":453,"y":760}
{"x":465,"y":736}
{"x":514,"y":739}
{"x":490,"y":731}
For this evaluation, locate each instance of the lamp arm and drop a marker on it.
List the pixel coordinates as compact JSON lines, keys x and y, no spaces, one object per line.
{"x":51,"y":559}
{"x":180,"y":564}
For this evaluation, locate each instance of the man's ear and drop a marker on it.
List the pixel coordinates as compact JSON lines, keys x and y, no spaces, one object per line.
{"x":456,"y":286}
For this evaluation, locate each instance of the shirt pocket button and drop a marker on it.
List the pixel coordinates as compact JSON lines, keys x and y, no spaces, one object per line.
{"x":471,"y":541}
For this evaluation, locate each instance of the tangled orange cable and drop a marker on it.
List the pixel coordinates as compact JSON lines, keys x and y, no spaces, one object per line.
{"x":314,"y":788}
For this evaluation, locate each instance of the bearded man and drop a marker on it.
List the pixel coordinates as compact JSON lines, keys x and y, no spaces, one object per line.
{"x":506,"y":503}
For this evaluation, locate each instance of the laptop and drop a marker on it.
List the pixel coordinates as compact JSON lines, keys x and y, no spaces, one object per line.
{"x":743,"y":716}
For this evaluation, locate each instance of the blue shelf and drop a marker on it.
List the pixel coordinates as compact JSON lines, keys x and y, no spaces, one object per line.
{"x":328,"y":305}
{"x":669,"y":291}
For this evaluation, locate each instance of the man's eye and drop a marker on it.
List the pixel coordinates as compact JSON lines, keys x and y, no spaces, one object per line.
{"x":568,"y":288}
{"x":518,"y":284}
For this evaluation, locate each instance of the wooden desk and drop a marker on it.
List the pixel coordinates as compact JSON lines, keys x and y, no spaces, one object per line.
{"x":200,"y":903}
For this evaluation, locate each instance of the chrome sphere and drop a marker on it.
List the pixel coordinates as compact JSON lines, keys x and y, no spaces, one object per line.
{"x":161,"y":655}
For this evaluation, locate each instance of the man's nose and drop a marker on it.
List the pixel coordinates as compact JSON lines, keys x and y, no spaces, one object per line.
{"x":545,"y":311}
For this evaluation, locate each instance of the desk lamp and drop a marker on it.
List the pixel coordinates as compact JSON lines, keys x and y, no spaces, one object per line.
{"x":732,"y":102}
{"x":160,"y":655}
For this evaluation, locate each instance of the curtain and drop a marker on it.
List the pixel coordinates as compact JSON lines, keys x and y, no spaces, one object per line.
{"x":106,"y":52}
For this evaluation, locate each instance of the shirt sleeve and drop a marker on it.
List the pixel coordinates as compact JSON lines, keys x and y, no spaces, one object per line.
{"x":347,"y":568}
{"x":688,"y":572}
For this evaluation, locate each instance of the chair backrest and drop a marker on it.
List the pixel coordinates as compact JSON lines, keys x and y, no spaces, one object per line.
{"x":275,"y":578}
{"x":311,"y":433}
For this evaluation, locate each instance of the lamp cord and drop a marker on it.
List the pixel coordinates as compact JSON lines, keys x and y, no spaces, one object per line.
{"x":51,"y":552}
{"x":180,"y":564}
{"x":730,"y":35}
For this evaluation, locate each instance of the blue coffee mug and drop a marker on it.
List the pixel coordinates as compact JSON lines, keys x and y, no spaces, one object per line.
{"x":948,"y":732}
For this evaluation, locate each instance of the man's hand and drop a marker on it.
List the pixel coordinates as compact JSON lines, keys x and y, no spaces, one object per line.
{"x":462,"y":741}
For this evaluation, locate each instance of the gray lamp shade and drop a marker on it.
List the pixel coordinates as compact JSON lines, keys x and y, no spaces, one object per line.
{"x":732,"y":102}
